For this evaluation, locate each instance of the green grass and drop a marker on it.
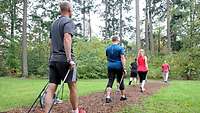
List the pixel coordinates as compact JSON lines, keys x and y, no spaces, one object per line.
{"x":22,"y":92}
{"x":179,"y":97}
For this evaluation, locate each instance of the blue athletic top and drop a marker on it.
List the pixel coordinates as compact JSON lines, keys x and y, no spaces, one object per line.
{"x":113,"y":53}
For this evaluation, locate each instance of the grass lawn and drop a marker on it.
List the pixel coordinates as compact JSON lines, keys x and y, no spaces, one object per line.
{"x":179,"y":97}
{"x":18,"y":92}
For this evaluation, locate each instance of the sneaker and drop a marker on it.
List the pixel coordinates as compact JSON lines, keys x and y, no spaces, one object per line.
{"x":142,"y":89}
{"x":108,"y":100}
{"x":123,"y":98}
{"x":58,"y":101}
{"x":81,"y":110}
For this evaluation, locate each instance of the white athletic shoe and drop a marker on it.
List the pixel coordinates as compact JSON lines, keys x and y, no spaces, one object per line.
{"x":58,"y":101}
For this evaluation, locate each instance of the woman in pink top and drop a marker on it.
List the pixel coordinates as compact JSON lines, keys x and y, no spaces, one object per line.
{"x":165,"y":71}
{"x":142,"y":68}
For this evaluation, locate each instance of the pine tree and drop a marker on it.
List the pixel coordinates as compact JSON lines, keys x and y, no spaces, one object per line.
{"x":24,"y":40}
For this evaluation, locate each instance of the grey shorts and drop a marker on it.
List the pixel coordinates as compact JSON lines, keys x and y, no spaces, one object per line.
{"x":58,"y":71}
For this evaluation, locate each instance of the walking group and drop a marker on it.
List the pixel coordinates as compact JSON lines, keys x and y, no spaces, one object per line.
{"x":116,"y":68}
{"x":62,"y":66}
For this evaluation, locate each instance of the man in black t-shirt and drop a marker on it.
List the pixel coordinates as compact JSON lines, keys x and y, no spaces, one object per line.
{"x":62,"y":59}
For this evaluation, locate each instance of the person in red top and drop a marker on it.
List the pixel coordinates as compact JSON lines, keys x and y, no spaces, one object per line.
{"x":165,"y":71}
{"x":142,"y":68}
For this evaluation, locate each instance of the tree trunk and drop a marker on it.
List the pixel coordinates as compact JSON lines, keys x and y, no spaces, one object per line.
{"x":120,"y":32}
{"x":113,"y":22}
{"x":106,"y":19}
{"x":159,"y":37}
{"x":90,"y":28}
{"x":151,"y":36}
{"x":13,"y":16}
{"x":146,"y":27}
{"x":168,"y":26}
{"x":24,"y":41}
{"x":137,"y":24}
{"x":192,"y":13}
{"x":84,"y":18}
{"x":151,"y":30}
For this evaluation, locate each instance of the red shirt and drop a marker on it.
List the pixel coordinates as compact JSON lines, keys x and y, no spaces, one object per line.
{"x":141,"y":64}
{"x":165,"y":67}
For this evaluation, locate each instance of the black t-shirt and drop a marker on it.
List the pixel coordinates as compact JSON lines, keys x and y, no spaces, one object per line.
{"x":133,"y":67}
{"x":60,"y":26}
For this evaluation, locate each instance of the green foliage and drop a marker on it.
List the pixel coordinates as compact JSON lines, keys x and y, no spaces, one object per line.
{"x":38,"y":54}
{"x":91,"y":59}
{"x":11,"y":64}
{"x":12,"y":55}
{"x":91,"y":55}
{"x":3,"y":69}
{"x":111,"y":16}
{"x":38,"y":59}
{"x":184,"y":64}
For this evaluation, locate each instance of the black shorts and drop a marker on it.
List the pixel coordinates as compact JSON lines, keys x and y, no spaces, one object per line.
{"x":115,"y":73}
{"x":142,"y":75}
{"x":134,"y":74}
{"x":58,"y":71}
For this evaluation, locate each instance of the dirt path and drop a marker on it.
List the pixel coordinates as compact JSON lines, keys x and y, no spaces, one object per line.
{"x":95,"y":103}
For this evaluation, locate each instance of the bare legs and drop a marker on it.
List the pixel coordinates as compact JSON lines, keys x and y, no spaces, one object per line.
{"x":73,"y":95}
{"x":50,"y":95}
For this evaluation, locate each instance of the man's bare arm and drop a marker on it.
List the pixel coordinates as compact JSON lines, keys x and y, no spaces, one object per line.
{"x":68,"y":45}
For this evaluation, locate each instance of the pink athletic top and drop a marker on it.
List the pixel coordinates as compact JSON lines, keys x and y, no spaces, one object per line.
{"x":165,"y":68}
{"x":141,"y":64}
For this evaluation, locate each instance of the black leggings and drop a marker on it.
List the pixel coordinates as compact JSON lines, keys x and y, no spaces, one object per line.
{"x":112,"y":73}
{"x":142,"y":75}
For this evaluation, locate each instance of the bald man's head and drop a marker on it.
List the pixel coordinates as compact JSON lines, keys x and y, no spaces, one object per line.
{"x":66,"y":8}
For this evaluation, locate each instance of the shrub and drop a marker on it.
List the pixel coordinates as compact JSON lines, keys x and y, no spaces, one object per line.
{"x":38,"y":59}
{"x":91,"y":59}
{"x":184,"y":64}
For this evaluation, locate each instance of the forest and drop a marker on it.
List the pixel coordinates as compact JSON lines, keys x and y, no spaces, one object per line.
{"x":168,"y":30}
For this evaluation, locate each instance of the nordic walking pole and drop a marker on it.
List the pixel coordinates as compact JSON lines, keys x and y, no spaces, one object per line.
{"x":41,"y":105}
{"x":62,"y":84}
{"x":122,"y":79}
{"x":104,"y":93}
{"x":118,"y":86}
{"x":38,"y":97}
{"x":62,"y":92}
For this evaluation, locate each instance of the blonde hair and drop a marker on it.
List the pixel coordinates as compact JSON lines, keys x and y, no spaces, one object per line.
{"x":140,"y":51}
